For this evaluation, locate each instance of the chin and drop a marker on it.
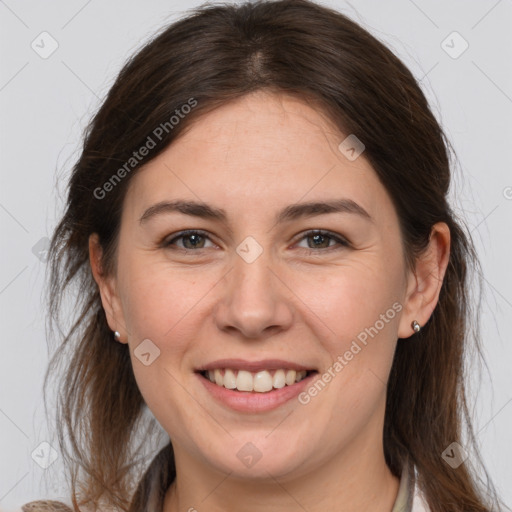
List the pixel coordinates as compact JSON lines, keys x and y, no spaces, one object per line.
{"x":258,"y":460}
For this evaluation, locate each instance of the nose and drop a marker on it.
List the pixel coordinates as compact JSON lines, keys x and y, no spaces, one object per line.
{"x":255,"y":301}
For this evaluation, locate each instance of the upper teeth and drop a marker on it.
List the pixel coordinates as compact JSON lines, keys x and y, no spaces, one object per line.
{"x":259,"y":381}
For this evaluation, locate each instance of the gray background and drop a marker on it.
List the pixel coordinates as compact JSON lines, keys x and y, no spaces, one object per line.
{"x":46,"y":103}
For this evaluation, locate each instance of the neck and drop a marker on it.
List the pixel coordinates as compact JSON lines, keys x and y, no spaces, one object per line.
{"x":355,"y":480}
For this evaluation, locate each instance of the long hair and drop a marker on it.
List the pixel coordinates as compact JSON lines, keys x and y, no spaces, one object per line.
{"x":216,"y":54}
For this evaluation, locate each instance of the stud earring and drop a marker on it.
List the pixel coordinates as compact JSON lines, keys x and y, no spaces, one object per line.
{"x":415,"y":326}
{"x":117,"y":336}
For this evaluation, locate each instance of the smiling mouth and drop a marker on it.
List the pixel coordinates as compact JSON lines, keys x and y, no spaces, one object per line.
{"x":260,"y":382}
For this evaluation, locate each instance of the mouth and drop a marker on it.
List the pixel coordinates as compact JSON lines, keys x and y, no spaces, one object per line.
{"x":254,"y":387}
{"x":262,"y":381}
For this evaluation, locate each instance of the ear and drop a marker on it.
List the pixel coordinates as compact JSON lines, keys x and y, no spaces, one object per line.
{"x":107,"y":287}
{"x":424,"y":284}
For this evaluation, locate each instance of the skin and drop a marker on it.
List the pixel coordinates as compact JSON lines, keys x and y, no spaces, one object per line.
{"x":296,"y":302}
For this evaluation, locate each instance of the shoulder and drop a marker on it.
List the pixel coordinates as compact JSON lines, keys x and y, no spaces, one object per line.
{"x":45,"y":506}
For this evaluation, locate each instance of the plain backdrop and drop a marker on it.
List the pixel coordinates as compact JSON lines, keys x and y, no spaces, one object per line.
{"x":47,"y":99}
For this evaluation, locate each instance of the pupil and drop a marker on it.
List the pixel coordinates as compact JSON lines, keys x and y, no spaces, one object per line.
{"x":316,"y":239}
{"x":192,"y":237}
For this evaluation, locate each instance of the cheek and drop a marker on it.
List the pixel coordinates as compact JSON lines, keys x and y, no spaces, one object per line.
{"x":159,"y":301}
{"x":357,"y":308}
{"x":350,"y":298}
{"x":361,"y":313}
{"x":161,"y":305}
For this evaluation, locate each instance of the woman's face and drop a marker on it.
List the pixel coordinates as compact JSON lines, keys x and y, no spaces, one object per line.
{"x":255,"y":288}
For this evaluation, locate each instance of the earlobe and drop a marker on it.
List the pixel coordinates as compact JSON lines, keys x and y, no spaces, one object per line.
{"x":426,"y":281}
{"x":105,"y":285}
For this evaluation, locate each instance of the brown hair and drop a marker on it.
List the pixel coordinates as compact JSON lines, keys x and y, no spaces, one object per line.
{"x":216,"y":54}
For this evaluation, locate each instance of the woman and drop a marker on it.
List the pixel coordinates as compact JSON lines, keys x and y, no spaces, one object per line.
{"x":259,"y":228}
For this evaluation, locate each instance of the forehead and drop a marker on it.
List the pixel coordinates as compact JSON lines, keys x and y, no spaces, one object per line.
{"x":262,"y":126}
{"x":262,"y":148}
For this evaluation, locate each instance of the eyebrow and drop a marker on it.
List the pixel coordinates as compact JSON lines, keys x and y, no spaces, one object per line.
{"x":291,"y":212}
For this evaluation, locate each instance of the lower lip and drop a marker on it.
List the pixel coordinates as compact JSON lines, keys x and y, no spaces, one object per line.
{"x":252,"y":401}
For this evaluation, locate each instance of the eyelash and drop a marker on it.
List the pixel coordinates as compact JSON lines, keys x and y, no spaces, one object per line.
{"x":343,"y":243}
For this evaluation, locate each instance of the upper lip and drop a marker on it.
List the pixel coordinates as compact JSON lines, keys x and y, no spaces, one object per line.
{"x":253,"y":366}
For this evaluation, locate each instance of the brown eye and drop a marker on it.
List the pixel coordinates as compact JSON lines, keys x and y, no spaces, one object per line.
{"x":192,"y":239}
{"x":319,"y":239}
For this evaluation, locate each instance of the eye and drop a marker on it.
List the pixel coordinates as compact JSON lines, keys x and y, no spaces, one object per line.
{"x":321,"y":240}
{"x":193,"y":239}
